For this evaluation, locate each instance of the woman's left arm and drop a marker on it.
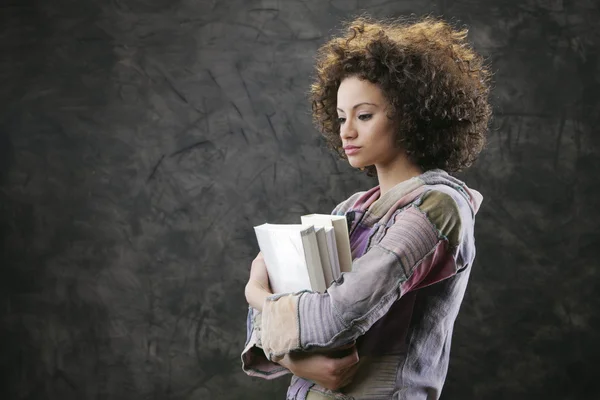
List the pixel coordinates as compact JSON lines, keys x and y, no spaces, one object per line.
{"x":418,"y":249}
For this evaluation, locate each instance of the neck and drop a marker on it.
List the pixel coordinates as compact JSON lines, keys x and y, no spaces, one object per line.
{"x":398,"y":170}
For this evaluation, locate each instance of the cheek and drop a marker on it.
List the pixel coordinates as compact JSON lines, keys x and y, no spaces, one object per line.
{"x":385,"y":133}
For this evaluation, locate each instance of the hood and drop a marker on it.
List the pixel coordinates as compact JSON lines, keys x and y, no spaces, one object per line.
{"x":407,"y":191}
{"x":441,"y":177}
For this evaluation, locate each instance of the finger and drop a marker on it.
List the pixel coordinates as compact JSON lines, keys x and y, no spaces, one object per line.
{"x":350,"y":359}
{"x":344,"y":383}
{"x":348,"y":376}
{"x":350,"y":372}
{"x":342,"y":351}
{"x":354,"y":357}
{"x":259,"y":257}
{"x":258,"y":270}
{"x":347,"y":346}
{"x":341,"y":365}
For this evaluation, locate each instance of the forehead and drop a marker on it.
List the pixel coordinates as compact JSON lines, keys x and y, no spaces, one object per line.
{"x":353,"y":90}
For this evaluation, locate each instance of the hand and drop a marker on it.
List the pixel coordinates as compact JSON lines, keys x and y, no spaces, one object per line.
{"x":258,"y":272}
{"x":328,"y":370}
{"x":257,"y":288}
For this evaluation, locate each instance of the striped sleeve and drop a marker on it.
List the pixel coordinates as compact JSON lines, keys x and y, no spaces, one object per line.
{"x":254,"y":361}
{"x":418,"y":248}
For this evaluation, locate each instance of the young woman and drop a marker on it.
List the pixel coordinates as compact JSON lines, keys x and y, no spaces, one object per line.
{"x":408,"y":103}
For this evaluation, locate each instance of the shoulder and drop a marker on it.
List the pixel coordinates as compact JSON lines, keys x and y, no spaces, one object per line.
{"x":443,"y":212}
{"x":347,"y":204}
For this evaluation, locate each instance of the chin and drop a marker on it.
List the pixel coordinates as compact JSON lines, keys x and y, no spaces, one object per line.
{"x":356,"y":164}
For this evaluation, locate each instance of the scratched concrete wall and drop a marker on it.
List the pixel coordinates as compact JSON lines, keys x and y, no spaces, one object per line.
{"x":141,"y":140}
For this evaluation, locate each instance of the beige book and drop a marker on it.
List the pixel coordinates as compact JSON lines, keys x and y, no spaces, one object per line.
{"x":333,"y":253}
{"x":342,"y":240}
{"x":324,"y":252}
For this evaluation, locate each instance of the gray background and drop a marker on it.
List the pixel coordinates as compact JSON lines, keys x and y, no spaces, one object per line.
{"x":141,"y":140}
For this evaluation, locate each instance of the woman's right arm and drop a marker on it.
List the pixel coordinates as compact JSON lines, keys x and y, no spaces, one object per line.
{"x":332,"y":370}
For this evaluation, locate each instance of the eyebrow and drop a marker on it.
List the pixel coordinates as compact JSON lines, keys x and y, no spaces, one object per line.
{"x":360,"y":104}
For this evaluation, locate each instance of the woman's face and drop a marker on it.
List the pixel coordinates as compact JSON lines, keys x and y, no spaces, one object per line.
{"x":362,"y":112}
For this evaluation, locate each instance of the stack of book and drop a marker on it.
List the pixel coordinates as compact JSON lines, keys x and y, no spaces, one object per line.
{"x":309,"y":255}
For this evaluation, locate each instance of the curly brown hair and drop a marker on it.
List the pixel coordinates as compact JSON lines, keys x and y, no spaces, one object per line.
{"x":436,"y":84}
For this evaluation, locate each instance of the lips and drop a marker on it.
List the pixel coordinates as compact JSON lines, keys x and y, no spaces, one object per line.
{"x":351,"y":149}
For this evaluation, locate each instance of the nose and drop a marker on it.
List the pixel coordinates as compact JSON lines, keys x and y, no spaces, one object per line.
{"x":347,"y":130}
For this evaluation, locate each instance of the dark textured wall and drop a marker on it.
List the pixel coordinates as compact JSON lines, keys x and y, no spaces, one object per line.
{"x":140,"y":141}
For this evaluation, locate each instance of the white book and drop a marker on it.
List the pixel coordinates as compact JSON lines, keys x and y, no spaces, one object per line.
{"x":342,"y":240}
{"x":291,"y":253}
